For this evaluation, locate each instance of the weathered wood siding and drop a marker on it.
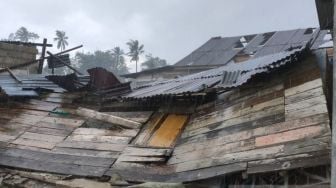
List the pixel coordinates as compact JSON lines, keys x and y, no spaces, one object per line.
{"x":275,"y":122}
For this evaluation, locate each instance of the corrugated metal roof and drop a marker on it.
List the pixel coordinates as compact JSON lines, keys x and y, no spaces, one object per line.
{"x":227,"y":76}
{"x":30,"y":83}
{"x":221,"y":51}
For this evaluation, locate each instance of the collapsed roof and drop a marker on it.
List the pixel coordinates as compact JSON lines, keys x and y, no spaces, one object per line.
{"x":280,"y":125}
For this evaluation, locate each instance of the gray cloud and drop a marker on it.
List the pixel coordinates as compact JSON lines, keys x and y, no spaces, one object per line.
{"x":169,"y":29}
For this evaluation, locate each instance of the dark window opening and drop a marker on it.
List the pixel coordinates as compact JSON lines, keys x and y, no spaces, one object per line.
{"x":266,"y":36}
{"x":309,"y":31}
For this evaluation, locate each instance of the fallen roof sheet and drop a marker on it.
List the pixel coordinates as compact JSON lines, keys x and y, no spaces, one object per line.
{"x":29,"y":83}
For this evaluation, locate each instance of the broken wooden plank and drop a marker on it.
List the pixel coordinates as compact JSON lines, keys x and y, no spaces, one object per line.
{"x":108,"y":118}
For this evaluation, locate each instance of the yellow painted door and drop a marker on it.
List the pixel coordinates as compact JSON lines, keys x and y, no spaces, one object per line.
{"x":167,"y":133}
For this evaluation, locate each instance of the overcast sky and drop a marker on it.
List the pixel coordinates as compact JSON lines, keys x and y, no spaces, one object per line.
{"x":170,"y":29}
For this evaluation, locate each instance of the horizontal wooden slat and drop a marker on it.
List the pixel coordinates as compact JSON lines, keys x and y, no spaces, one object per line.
{"x":316,"y":92}
{"x":99,"y":138}
{"x":303,"y":87}
{"x":127,"y":158}
{"x":108,"y":118}
{"x":34,"y":143}
{"x":287,"y":136}
{"x":44,"y":166}
{"x":92,"y":145}
{"x":147,"y":151}
{"x":103,"y":132}
{"x":66,"y":121}
{"x":86,"y":152}
{"x":289,"y":162}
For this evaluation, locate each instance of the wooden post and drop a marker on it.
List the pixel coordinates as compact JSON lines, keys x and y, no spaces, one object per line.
{"x":44,"y":46}
{"x":333,"y":146}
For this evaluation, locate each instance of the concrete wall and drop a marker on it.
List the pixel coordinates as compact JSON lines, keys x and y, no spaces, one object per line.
{"x":12,"y":54}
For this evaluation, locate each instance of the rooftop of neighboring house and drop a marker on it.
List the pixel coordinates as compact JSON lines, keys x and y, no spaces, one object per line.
{"x":220,"y":51}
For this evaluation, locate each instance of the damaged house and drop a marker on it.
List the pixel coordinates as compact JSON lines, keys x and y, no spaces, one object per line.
{"x":260,"y":118}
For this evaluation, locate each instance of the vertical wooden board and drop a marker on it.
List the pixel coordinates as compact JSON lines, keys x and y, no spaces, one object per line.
{"x":149,"y":128}
{"x":166,"y":135}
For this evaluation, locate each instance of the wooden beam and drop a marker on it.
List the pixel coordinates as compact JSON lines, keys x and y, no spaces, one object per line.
{"x":13,"y":75}
{"x":44,"y":46}
{"x":108,"y":118}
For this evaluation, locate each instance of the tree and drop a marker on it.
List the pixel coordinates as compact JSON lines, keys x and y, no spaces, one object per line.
{"x":104,"y":59}
{"x":135,"y":50}
{"x":61,"y":39}
{"x":23,"y":35}
{"x":153,"y":62}
{"x":119,"y":60}
{"x":11,"y":37}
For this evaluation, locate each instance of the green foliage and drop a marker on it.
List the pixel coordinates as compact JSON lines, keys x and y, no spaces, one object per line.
{"x":153,"y":62}
{"x":135,"y":50}
{"x":61,"y":39}
{"x":109,"y":60}
{"x":23,"y":35}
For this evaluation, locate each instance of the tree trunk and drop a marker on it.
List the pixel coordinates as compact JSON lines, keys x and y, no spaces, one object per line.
{"x":136,"y":66}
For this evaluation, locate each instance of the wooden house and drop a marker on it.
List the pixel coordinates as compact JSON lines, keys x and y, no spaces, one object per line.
{"x":256,"y":122}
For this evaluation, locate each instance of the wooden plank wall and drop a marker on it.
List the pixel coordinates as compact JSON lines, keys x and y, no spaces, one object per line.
{"x":275,"y":122}
{"x":281,"y":125}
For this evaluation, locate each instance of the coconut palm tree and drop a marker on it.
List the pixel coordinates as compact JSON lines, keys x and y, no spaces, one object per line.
{"x":23,"y":35}
{"x":135,"y":50}
{"x":61,"y":40}
{"x":118,"y":55}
